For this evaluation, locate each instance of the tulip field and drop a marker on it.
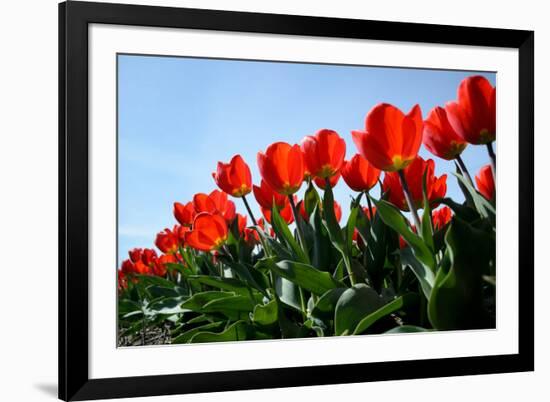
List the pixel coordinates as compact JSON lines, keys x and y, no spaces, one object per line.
{"x":406,"y":258}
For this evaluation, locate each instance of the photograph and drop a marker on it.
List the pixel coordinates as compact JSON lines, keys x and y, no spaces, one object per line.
{"x":261,"y":200}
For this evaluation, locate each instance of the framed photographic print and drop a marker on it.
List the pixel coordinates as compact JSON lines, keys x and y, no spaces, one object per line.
{"x":257,"y":200}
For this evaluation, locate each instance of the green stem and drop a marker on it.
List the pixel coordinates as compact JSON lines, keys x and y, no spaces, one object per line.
{"x":249,"y":211}
{"x":464,"y":170}
{"x":369,"y":204}
{"x":493,"y":156}
{"x":255,"y":222}
{"x":409,"y":200}
{"x":301,"y":237}
{"x":303,"y":245}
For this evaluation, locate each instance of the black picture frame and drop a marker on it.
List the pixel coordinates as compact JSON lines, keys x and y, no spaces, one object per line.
{"x":74,"y":18}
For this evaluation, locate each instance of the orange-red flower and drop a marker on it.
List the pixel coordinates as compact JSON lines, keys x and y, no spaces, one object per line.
{"x":439,"y":136}
{"x":215,"y":203}
{"x":266,"y":197}
{"x":359,"y":174}
{"x":168,"y":240}
{"x":251,"y":236}
{"x":391,"y":139}
{"x":122,"y":280}
{"x":440,"y":217}
{"x":436,"y":187}
{"x":159,"y":268}
{"x":241,"y":223}
{"x":324,"y":153}
{"x":473,"y":115}
{"x":209,"y":232}
{"x":282,"y":167}
{"x":234,"y":177}
{"x":337,"y":211}
{"x":184,"y":214}
{"x":321,"y":183}
{"x":485,"y":182}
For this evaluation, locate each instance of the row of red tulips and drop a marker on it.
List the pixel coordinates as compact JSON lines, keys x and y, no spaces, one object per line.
{"x":389,"y":143}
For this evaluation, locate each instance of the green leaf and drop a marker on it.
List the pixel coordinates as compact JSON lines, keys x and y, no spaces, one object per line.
{"x":198,"y":300}
{"x":324,"y":308}
{"x":427,"y":229}
{"x":126,"y":306}
{"x":467,"y":196}
{"x":376,"y":243}
{"x":352,"y":306}
{"x":305,"y":276}
{"x":311,"y":199}
{"x":288,"y":292}
{"x":483,"y":206}
{"x":186,"y":336}
{"x":350,"y":228}
{"x":322,"y":246}
{"x":331,"y":223}
{"x":387,"y":309}
{"x":249,"y":275}
{"x":168,"y":306}
{"x":456,"y":301}
{"x":425,"y":277}
{"x":394,"y":219}
{"x":235,"y":332}
{"x":233,"y":307}
{"x":228,"y":284}
{"x":405,"y":329}
{"x":156,"y":280}
{"x":283,"y":232}
{"x":463,"y":211}
{"x":266,"y":314}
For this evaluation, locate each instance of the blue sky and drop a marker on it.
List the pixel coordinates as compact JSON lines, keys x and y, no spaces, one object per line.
{"x":179,"y":116}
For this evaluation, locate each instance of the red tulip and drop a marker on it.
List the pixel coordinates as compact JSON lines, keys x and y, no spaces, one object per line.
{"x":127,"y":267}
{"x":168,"y":241}
{"x":324,"y":153}
{"x":436,"y":187}
{"x":485,"y":182}
{"x":135,"y":254}
{"x":142,"y":269}
{"x":122,"y":281}
{"x":337,"y":211}
{"x":473,"y":115}
{"x":241,"y":223}
{"x":184,"y":214}
{"x":209,"y":232}
{"x":234,"y":177}
{"x":282,"y":167}
{"x":266,"y":196}
{"x":251,"y":236}
{"x":439,"y":136}
{"x":215,"y":203}
{"x":359,"y":174}
{"x":141,"y":261}
{"x":391,"y":139}
{"x":159,"y":267}
{"x":440,"y":217}
{"x":321,"y":183}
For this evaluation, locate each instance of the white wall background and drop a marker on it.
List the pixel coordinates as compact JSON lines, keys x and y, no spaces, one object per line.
{"x":28,"y":198}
